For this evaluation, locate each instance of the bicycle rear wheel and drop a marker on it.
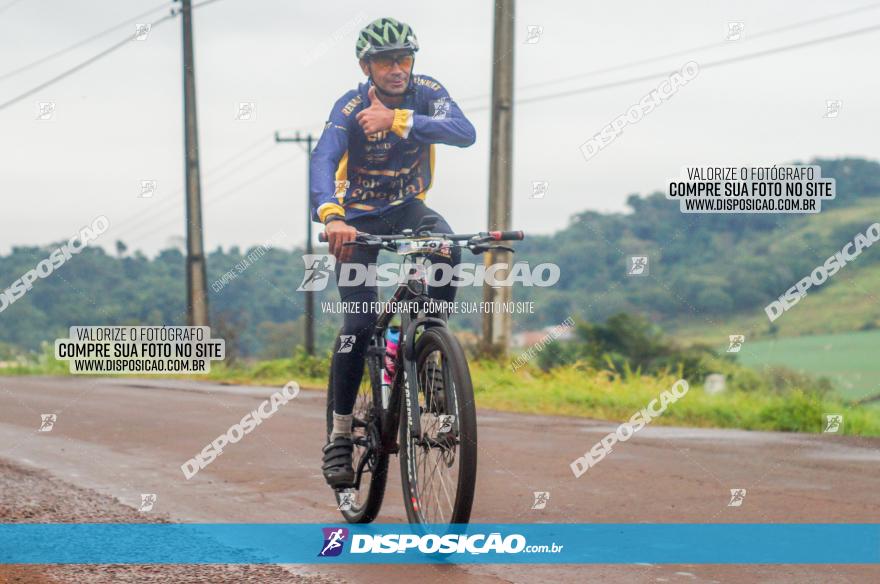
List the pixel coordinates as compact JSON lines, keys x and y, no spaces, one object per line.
{"x":368,"y":495}
{"x":439,"y":467}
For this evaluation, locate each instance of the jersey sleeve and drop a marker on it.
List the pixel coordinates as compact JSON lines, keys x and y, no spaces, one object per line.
{"x":331,"y":147}
{"x":444,"y":122}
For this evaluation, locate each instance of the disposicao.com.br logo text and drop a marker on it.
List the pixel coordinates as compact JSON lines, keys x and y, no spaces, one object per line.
{"x":450,"y":543}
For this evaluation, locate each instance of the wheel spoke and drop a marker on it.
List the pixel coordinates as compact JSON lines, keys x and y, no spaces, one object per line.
{"x":435,"y":478}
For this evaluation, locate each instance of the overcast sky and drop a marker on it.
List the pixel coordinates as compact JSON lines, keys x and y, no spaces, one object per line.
{"x":119,"y":121}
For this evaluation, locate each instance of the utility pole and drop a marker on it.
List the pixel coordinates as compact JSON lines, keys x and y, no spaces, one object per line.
{"x":196,"y":279}
{"x":497,"y":324}
{"x":310,"y":295}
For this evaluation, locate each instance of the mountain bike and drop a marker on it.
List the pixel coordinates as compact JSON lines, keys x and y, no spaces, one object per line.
{"x":430,"y":392}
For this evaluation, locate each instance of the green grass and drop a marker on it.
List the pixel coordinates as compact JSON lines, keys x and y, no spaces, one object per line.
{"x":846,"y":302}
{"x":850,"y":360}
{"x":276,"y":372}
{"x":571,"y":391}
{"x":827,"y":333}
{"x":575,"y":391}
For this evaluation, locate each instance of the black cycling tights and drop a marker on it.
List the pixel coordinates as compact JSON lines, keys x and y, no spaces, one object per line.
{"x":348,"y":367}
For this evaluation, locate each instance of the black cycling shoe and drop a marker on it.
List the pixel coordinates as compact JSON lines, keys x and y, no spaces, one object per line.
{"x":337,"y":468}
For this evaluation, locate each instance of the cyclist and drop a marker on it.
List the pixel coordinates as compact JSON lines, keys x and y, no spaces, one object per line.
{"x":370,"y":172}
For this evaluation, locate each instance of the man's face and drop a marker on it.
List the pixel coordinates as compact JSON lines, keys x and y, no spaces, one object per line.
{"x":390,"y":71}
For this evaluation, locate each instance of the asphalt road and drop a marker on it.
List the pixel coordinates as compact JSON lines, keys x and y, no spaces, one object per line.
{"x":114,"y":439}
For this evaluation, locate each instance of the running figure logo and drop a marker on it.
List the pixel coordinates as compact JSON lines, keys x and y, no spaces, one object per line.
{"x":638,"y":266}
{"x":736,"y":343}
{"x":142,"y":31}
{"x":540,"y":188}
{"x":833,"y":423}
{"x":533,"y":34}
{"x":147,"y":502}
{"x":318,"y":269}
{"x":346,"y":501}
{"x":346,"y":343}
{"x":541,"y":499}
{"x":446,"y":422}
{"x":148,"y":189}
{"x":440,"y":108}
{"x":832,"y":108}
{"x":47,"y":422}
{"x":737,"y":496}
{"x":247,"y":111}
{"x":45,"y":110}
{"x":735,"y":31}
{"x":334,"y":541}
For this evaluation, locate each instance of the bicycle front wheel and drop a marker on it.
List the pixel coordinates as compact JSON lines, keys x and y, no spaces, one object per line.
{"x":439,"y":466}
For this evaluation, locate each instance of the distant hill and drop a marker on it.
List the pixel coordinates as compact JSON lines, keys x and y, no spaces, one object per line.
{"x":709,"y":275}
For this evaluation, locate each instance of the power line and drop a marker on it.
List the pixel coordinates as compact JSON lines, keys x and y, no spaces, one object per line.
{"x":169,"y":204}
{"x":80,"y":43}
{"x":216,"y":198}
{"x":80,"y":66}
{"x":630,"y":64}
{"x":91,"y":60}
{"x":230,"y":170}
{"x":702,"y":66}
{"x":209,"y":174}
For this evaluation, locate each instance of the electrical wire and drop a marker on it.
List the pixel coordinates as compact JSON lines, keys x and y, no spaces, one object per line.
{"x":92,"y":59}
{"x":703,"y":66}
{"x":78,"y":44}
{"x":683,"y":51}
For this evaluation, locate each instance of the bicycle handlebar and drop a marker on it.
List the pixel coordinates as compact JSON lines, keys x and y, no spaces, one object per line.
{"x":487,"y":235}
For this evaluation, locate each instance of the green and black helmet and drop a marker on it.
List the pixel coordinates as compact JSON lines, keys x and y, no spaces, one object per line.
{"x":385,"y":34}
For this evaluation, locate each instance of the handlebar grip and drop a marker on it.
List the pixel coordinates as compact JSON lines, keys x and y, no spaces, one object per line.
{"x":507,"y":235}
{"x":322,"y":237}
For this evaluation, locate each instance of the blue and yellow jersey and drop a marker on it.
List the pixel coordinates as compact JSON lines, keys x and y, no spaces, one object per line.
{"x":354,"y":174}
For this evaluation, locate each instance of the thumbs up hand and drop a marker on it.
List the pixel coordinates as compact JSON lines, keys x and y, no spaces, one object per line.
{"x":377,"y":117}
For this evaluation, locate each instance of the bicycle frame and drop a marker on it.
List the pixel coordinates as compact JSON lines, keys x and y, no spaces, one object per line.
{"x":413,"y":290}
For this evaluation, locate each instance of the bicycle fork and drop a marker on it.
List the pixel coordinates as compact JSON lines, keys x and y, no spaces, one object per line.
{"x":411,"y":387}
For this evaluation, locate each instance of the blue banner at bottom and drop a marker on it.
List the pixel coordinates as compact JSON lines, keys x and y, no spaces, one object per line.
{"x":561,"y":543}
